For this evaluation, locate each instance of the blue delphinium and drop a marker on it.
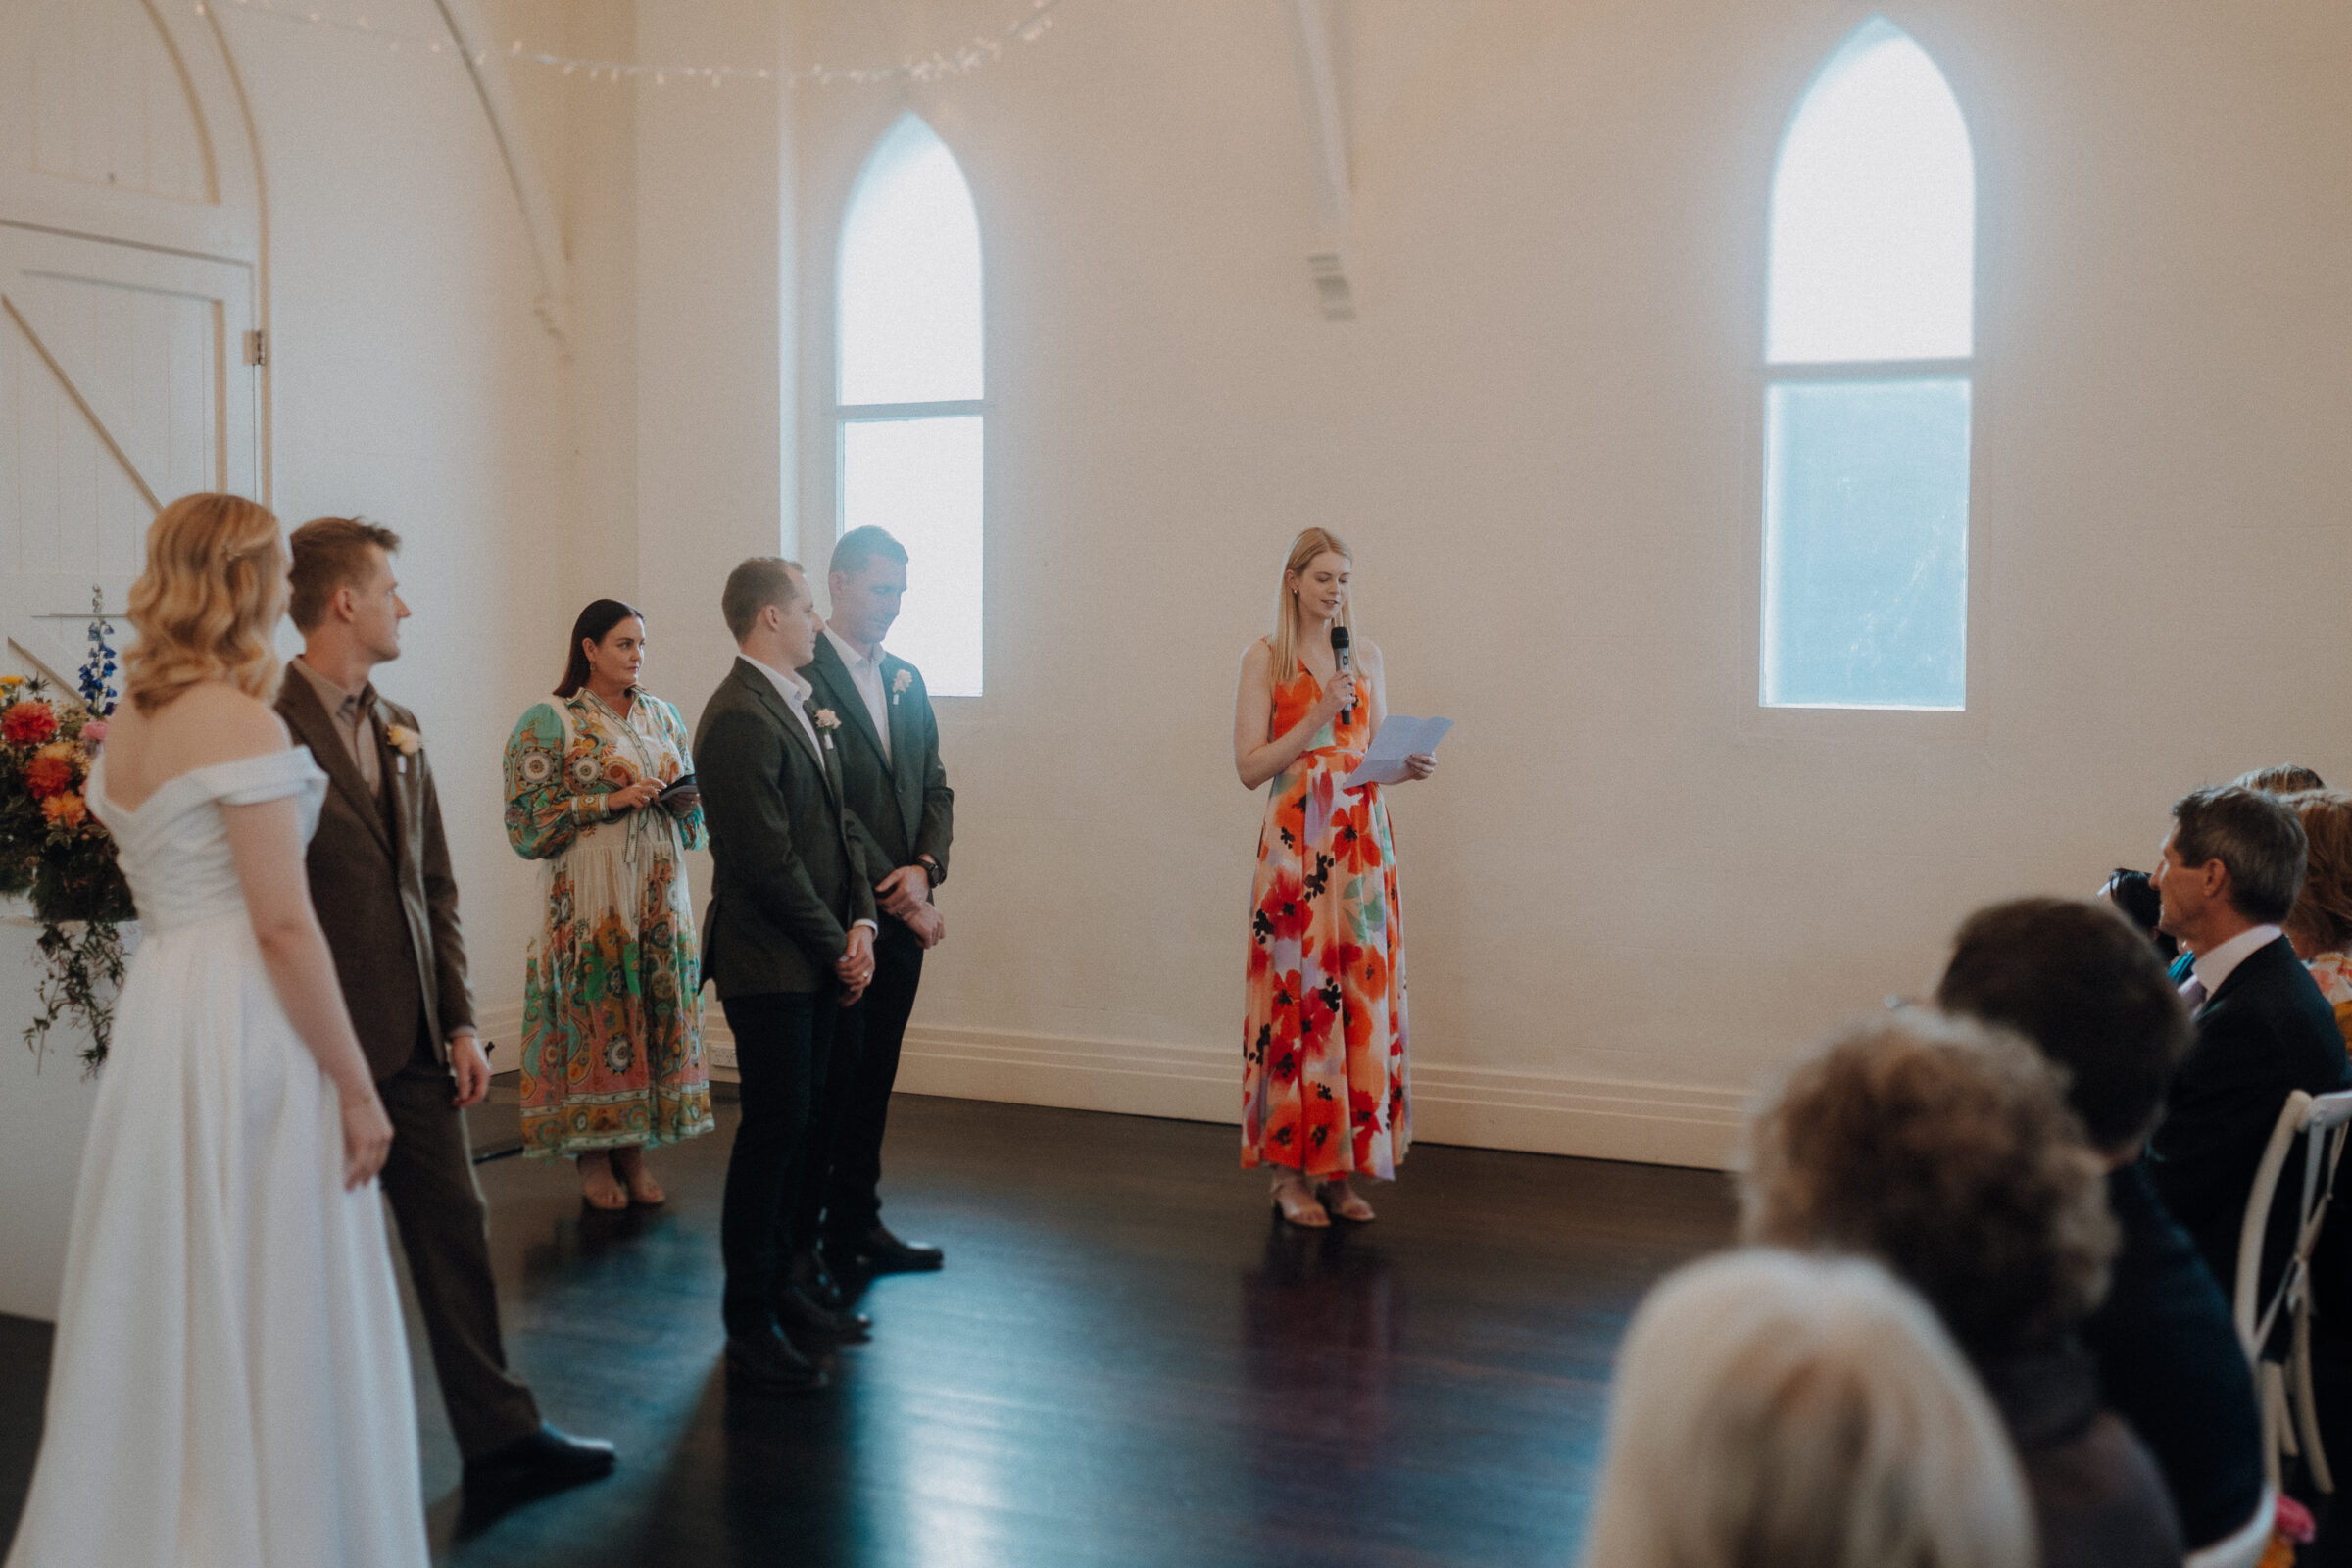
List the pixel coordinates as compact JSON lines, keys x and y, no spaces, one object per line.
{"x":97,"y":677}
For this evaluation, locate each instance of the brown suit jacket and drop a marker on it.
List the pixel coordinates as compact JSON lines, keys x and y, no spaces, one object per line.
{"x":386,"y":899}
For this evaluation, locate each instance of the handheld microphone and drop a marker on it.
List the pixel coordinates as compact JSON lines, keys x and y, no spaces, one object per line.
{"x":1338,"y":652}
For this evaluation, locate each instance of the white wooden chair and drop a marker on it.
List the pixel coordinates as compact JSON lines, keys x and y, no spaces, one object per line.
{"x":2244,"y":1547}
{"x":2289,"y":1419}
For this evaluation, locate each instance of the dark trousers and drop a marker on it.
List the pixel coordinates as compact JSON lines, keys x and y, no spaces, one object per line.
{"x":444,"y":1229}
{"x":852,"y":1192}
{"x":783,"y":1044}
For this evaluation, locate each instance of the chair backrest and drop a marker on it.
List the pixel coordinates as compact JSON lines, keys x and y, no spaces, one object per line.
{"x":2320,"y":1123}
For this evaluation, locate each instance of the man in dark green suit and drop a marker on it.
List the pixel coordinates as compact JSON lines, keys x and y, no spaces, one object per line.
{"x":904,"y":815}
{"x":789,"y":941}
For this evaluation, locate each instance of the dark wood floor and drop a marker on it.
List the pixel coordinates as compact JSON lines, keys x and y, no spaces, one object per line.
{"x":1125,"y":1362}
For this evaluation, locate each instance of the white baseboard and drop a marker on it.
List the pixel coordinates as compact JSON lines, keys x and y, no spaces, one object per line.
{"x":1544,"y":1113}
{"x":1550,"y":1113}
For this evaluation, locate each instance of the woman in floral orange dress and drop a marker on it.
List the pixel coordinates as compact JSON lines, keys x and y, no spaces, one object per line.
{"x":1323,"y":1078}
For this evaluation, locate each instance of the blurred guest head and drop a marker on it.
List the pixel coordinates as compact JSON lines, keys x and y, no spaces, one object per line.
{"x":1772,"y":1408}
{"x":2134,"y":896}
{"x":2083,"y":988}
{"x":2321,"y":920}
{"x":2280,"y":779}
{"x":1948,"y":1151}
{"x":2234,"y":860}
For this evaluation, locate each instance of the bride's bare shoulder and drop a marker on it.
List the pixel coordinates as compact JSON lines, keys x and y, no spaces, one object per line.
{"x":215,"y":722}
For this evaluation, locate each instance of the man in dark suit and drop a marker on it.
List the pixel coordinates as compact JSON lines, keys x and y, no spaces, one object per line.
{"x":2088,"y":989}
{"x":789,"y":940}
{"x":905,"y":816}
{"x":382,"y":883}
{"x":2231,"y":867}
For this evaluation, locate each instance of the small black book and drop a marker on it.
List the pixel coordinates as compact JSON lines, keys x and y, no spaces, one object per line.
{"x":683,"y":785}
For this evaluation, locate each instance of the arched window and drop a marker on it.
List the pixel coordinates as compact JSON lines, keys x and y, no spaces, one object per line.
{"x":1869,"y":337}
{"x":907,"y":392}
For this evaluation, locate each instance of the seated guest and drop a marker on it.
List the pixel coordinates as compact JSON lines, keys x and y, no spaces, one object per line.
{"x":1947,"y":1152}
{"x":2232,"y":865}
{"x":1802,"y":1412}
{"x":2133,"y":897}
{"x":2320,"y":925}
{"x":2280,"y":779}
{"x":2081,"y":987}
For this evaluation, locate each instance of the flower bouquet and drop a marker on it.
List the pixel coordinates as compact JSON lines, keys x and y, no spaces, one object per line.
{"x":54,"y":849}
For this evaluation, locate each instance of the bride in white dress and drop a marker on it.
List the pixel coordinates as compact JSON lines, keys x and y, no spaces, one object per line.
{"x":231,"y":1379}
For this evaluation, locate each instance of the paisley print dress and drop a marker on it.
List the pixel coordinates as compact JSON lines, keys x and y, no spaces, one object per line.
{"x":613,"y":995}
{"x":1323,"y":1049}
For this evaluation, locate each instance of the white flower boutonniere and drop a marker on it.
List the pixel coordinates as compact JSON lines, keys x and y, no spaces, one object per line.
{"x":899,"y":684}
{"x":827,"y":722}
{"x":403,"y":740}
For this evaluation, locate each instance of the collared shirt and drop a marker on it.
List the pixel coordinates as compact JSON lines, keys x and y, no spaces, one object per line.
{"x":867,"y":674}
{"x":354,"y":715}
{"x":2212,"y":968}
{"x":797,"y":694}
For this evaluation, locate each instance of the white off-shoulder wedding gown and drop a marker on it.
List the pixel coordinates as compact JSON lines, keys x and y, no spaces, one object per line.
{"x":230,"y":1379}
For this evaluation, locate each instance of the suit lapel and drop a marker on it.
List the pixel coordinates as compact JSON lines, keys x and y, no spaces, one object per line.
{"x":842,"y":694}
{"x":310,"y":720}
{"x":905,"y":746}
{"x":764,"y":690}
{"x":400,"y":778}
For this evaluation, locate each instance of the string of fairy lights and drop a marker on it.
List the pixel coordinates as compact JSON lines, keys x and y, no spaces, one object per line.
{"x":957,"y":61}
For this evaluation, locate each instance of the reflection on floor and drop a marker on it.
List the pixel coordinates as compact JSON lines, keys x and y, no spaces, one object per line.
{"x":1125,"y":1362}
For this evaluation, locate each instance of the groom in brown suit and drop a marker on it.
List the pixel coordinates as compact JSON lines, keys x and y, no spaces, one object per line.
{"x":380,"y":881}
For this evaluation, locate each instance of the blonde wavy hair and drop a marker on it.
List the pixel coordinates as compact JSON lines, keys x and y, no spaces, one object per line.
{"x":208,"y":605}
{"x":1773,"y":1409}
{"x":1304,"y":549}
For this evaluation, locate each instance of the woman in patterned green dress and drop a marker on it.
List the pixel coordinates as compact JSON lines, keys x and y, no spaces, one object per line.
{"x":613,"y":1015}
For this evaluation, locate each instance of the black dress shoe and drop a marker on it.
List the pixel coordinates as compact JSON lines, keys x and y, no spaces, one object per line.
{"x":545,"y":1461}
{"x":812,"y":1279}
{"x":881,"y":1252}
{"x":802,"y":1316}
{"x":769,"y":1361}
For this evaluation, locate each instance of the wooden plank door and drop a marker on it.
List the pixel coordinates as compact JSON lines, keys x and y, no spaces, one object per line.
{"x":123,"y":383}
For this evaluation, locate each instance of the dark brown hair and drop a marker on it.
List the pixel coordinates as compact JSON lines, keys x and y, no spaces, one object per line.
{"x":2086,"y":989}
{"x":1947,"y":1152}
{"x":595,"y":624}
{"x":330,"y":552}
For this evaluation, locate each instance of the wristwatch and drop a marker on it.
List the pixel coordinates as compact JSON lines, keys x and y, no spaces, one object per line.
{"x":933,"y":872}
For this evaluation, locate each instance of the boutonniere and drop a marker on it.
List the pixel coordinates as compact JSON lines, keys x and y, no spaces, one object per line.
{"x":899,"y":684}
{"x":827,"y":722}
{"x":403,"y":740}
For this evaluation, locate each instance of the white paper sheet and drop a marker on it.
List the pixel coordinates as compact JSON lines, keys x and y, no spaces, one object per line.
{"x":1399,"y":738}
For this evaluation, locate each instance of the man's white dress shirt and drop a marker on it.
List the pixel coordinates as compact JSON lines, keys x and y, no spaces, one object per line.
{"x":797,"y":693}
{"x":867,"y":674}
{"x":2210,"y":969}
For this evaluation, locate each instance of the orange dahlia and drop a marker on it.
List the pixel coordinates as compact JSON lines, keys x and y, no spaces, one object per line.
{"x":51,"y":771}
{"x":65,"y":811}
{"x":28,"y":721}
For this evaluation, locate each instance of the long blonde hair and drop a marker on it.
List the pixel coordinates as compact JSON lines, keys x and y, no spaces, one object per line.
{"x":1776,"y":1408}
{"x":1304,"y":549}
{"x":208,"y":605}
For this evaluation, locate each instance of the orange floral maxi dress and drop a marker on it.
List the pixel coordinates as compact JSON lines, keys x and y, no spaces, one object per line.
{"x":1323,"y":1050}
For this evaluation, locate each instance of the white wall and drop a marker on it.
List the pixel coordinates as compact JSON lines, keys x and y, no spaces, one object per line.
{"x":1627,"y":895}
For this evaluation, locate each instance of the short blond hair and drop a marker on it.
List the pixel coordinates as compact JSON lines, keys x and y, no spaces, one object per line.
{"x":1772,"y":1408}
{"x":329,"y":553}
{"x":208,"y":605}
